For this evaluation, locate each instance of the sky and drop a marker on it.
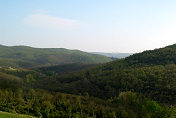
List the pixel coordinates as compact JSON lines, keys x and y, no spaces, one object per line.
{"x":89,"y":25}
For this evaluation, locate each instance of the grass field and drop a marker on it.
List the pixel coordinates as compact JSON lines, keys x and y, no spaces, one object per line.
{"x":11,"y":115}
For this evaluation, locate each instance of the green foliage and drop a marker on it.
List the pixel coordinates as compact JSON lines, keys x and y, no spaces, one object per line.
{"x":153,"y":110}
{"x":156,"y":82}
{"x":46,"y":104}
{"x":160,"y":56}
{"x":145,"y":84}
{"x":65,"y":69}
{"x":23,"y":56}
{"x":151,"y":73}
{"x":51,"y":104}
{"x":29,"y":78}
{"x":142,"y":107}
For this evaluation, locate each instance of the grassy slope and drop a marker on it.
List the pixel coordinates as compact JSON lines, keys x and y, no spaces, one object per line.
{"x":11,"y":115}
{"x":23,"y":56}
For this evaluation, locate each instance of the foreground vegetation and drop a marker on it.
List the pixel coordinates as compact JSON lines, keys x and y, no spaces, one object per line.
{"x":48,"y":104}
{"x":19,"y":95}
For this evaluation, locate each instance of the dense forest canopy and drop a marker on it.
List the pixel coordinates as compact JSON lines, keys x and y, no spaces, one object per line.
{"x":134,"y":73}
{"x":141,"y":85}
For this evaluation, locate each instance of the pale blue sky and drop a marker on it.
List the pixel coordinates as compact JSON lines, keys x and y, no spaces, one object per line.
{"x":89,"y":25}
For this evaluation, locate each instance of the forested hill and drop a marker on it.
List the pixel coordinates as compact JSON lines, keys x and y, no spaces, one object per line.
{"x":23,"y":56}
{"x":66,"y":68}
{"x":160,"y":56}
{"x":121,"y":88}
{"x":151,"y":73}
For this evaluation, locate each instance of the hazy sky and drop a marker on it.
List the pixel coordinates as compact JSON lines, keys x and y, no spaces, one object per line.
{"x":89,"y":25}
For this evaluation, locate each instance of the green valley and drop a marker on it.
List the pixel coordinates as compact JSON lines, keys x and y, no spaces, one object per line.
{"x":132,"y":87}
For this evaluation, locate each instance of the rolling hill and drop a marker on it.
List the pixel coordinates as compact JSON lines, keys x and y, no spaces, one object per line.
{"x":150,"y":73}
{"x":25,"y":57}
{"x":127,"y":88}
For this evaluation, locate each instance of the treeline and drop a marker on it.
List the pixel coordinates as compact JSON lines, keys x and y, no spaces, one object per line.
{"x":46,"y":104}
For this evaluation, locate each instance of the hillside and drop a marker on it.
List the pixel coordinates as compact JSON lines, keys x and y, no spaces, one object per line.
{"x":119,"y":88}
{"x":151,"y":73}
{"x":23,"y":56}
{"x":162,"y":56}
{"x":11,"y":81}
{"x":65,"y":68}
{"x":43,"y":103}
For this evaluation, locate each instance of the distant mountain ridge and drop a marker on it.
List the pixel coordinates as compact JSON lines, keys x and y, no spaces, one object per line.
{"x":114,"y":55}
{"x":24,"y":56}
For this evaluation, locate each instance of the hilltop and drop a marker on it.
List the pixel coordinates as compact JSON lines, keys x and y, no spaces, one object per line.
{"x":25,"y":57}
